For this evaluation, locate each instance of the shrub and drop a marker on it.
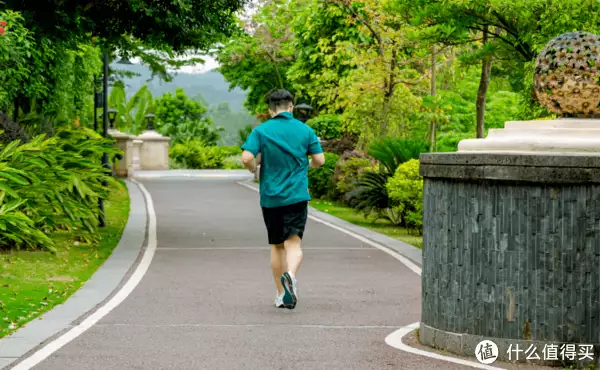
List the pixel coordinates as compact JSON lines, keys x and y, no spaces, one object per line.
{"x":348,"y":169}
{"x":370,"y":194}
{"x":405,"y":190}
{"x":339,"y":146}
{"x":326,"y":126}
{"x":196,"y":155}
{"x":233,"y":162}
{"x":320,"y":180}
{"x":52,"y":184}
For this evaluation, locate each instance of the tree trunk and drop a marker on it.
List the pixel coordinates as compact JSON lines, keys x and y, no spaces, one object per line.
{"x":389,"y":93}
{"x":432,"y":125}
{"x":484,"y":82}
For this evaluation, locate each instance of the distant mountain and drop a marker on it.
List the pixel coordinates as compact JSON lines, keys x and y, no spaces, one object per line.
{"x":209,"y":88}
{"x":211,"y":85}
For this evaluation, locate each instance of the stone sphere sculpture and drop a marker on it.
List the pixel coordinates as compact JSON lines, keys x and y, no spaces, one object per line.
{"x":567,"y":75}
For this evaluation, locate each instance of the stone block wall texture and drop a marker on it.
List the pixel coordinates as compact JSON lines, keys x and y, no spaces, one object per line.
{"x":514,"y":260}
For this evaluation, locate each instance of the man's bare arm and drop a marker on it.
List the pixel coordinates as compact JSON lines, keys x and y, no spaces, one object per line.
{"x":249,"y":161}
{"x":317,"y":160}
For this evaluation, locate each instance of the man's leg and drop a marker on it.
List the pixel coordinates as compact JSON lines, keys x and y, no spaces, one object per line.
{"x":294,"y":254}
{"x":294,"y":224}
{"x":278,"y":265}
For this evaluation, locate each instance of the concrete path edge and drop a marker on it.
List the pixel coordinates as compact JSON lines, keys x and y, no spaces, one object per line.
{"x":100,"y":287}
{"x":410,"y":252}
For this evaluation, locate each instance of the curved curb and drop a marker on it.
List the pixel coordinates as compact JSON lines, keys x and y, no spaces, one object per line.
{"x":201,"y":174}
{"x":91,"y":295}
{"x":395,"y":340}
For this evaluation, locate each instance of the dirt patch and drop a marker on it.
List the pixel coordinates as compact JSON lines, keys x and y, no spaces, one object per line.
{"x":61,"y":278}
{"x":412,"y":341}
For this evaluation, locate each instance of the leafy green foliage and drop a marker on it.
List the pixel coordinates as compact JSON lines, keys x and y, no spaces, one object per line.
{"x":405,"y":190}
{"x":181,"y":25}
{"x":392,"y":152}
{"x":34,"y":282}
{"x":131,"y":112}
{"x":195,"y":154}
{"x":370,"y":194}
{"x":320,"y":180}
{"x":258,"y":58}
{"x":326,"y":126}
{"x":243,"y":134}
{"x":184,"y":119}
{"x":323,"y":33}
{"x":45,"y":77}
{"x":233,"y":162}
{"x":348,"y":172}
{"x":51,"y":184}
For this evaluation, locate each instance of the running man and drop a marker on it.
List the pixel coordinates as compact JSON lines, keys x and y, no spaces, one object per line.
{"x":283,"y":145}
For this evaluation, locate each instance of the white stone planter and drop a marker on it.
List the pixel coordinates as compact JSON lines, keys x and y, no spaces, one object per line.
{"x":154,"y":153}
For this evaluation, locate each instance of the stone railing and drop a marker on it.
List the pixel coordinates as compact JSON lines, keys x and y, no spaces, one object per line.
{"x":146,"y":152}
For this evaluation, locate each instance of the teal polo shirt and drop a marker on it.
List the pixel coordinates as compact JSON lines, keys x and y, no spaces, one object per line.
{"x":284,"y":144}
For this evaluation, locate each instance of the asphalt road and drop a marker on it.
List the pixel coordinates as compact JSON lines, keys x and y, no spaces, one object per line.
{"x":206,"y":301}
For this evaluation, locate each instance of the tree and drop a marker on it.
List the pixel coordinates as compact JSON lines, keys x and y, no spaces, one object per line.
{"x":257,"y":58}
{"x":507,"y":31}
{"x":159,"y":24}
{"x":157,"y":31}
{"x":323,"y":34}
{"x":184,"y":119}
{"x":378,"y":95}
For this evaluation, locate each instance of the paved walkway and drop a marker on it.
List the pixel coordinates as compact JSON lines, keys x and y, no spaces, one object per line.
{"x":206,"y":301}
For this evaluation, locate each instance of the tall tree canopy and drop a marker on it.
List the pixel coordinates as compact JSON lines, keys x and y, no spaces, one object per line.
{"x":178,"y":25}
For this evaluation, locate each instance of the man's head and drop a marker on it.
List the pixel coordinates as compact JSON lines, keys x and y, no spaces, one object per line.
{"x":280,"y":101}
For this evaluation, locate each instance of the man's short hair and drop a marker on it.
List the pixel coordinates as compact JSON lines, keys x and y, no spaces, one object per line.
{"x":279,"y":99}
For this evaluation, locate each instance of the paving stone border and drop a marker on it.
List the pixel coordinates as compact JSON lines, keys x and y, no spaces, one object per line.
{"x":100,"y":287}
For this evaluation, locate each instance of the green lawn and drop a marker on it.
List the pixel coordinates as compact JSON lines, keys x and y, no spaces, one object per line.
{"x":380,"y":226}
{"x":32,"y":283}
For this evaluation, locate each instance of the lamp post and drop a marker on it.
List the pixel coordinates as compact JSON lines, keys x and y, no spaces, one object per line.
{"x":112,"y":116}
{"x":303,"y":112}
{"x":101,"y":100}
{"x":150,"y":122}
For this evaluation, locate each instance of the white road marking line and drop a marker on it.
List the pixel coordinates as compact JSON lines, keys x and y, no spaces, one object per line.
{"x":307,"y":326}
{"x":262,"y":249}
{"x":408,"y":263}
{"x":116,"y":300}
{"x":395,"y":338}
{"x":191,"y":175}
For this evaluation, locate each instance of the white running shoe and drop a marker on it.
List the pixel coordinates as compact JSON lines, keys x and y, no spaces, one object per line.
{"x":290,"y":297}
{"x":279,"y":301}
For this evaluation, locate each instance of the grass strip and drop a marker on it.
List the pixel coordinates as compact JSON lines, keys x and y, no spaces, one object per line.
{"x":32,"y":283}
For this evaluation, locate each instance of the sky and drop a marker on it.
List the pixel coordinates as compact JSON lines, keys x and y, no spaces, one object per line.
{"x":209,"y":62}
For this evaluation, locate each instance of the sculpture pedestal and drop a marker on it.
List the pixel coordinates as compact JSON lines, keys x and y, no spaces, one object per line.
{"x":511,"y":241}
{"x":124,"y":144}
{"x":561,"y":135}
{"x":154,"y":153}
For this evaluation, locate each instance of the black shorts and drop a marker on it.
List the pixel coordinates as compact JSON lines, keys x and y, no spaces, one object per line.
{"x":284,"y":222}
